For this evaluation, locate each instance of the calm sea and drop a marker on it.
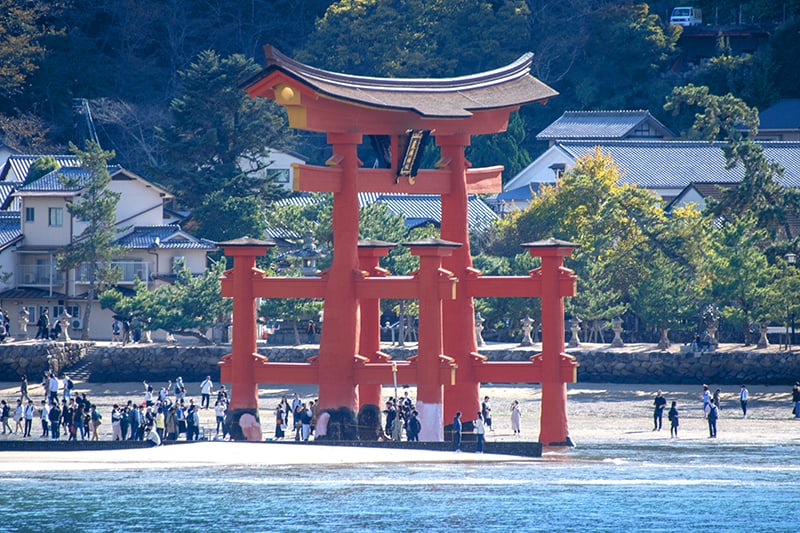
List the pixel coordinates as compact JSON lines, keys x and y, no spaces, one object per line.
{"x":691,"y":486}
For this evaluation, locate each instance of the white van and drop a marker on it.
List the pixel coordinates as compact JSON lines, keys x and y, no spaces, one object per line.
{"x":686,"y":16}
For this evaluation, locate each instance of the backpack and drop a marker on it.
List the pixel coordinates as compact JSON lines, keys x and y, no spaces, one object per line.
{"x":415,"y":425}
{"x":70,"y":384}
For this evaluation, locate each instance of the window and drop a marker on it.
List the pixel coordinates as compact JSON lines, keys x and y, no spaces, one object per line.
{"x":280,"y":175}
{"x":73,"y":310}
{"x":56,"y":218}
{"x":29,"y":214}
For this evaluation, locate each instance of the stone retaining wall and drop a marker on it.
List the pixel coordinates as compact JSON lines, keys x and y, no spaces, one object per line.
{"x":159,"y":362}
{"x":34,"y":359}
{"x":722,"y":368}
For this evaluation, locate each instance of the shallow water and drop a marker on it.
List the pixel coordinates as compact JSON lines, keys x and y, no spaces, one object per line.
{"x":680,"y":486}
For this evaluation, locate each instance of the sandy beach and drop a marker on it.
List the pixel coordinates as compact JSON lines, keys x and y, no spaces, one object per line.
{"x":598,"y":413}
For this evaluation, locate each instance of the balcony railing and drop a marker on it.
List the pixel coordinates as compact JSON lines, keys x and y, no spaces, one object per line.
{"x":131,"y":271}
{"x":39,"y":276}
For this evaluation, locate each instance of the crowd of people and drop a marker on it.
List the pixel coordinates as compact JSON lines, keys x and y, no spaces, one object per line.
{"x":303,"y":415}
{"x":61,"y":412}
{"x":163,"y":414}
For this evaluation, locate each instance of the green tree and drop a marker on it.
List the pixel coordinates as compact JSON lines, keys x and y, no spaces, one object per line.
{"x":188,"y":307}
{"x":427,"y":37}
{"x":95,"y":247}
{"x":728,"y":118}
{"x":222,"y":217}
{"x":741,"y":278}
{"x":220,"y":138}
{"x":665,"y":298}
{"x":623,"y":63}
{"x":40,"y":167}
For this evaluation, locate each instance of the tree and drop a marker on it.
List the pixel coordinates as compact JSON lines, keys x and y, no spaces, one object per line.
{"x":223,"y":217}
{"x":617,"y":227}
{"x":665,"y":297}
{"x":622,"y":65}
{"x":741,"y":278}
{"x":220,"y":138}
{"x":188,"y":307}
{"x":95,"y":247}
{"x":728,"y":118}
{"x":427,"y":37}
{"x":23,"y":26}
{"x":40,"y":167}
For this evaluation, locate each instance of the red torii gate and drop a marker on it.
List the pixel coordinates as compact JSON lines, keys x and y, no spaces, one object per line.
{"x":350,"y":362}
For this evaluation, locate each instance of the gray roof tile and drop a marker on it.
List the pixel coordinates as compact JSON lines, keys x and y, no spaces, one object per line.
{"x":600,"y":125}
{"x":170,"y":237}
{"x":416,"y":209}
{"x":675,"y":164}
{"x":10,"y":228}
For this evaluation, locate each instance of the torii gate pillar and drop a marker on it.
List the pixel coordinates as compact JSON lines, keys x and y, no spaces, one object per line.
{"x":557,"y":368}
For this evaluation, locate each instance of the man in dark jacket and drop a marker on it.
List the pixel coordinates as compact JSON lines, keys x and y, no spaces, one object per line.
{"x":457,"y":432}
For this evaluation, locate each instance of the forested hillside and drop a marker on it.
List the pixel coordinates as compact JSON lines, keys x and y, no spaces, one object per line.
{"x":130,"y":58}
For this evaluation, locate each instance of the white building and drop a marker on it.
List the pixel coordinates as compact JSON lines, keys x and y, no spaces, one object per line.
{"x":32,"y":237}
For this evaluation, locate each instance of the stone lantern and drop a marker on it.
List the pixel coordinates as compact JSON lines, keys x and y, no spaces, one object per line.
{"x":616,"y":326}
{"x":574,"y":328}
{"x":308,"y":255}
{"x":479,"y":320}
{"x":64,"y":319}
{"x":527,"y":327}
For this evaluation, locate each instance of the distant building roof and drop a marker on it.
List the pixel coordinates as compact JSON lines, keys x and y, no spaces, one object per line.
{"x":605,"y":125}
{"x":416,"y":209}
{"x":675,"y":164}
{"x":10,"y":228}
{"x":17,"y":166}
{"x":52,"y":181}
{"x":169,"y":237}
{"x":508,"y":86}
{"x":783,"y":115}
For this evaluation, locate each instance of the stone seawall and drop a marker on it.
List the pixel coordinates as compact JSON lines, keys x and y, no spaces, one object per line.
{"x":159,"y":362}
{"x":33,"y":359}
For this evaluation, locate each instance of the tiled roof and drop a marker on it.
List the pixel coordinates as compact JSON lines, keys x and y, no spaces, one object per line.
{"x":10,"y":228}
{"x":508,"y":86}
{"x":168,"y":237}
{"x":599,"y":125}
{"x":675,"y":164}
{"x":51,"y":182}
{"x":21,"y":164}
{"x":416,"y":209}
{"x":6,"y":190}
{"x":783,"y":115}
{"x":32,"y":294}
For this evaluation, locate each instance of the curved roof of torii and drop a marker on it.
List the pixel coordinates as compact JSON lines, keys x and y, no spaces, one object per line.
{"x":507,"y":87}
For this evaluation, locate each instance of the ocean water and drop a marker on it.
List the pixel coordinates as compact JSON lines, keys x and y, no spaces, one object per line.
{"x":692,"y":486}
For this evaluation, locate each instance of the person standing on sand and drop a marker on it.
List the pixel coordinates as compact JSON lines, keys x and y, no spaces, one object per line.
{"x":457,"y":432}
{"x":480,"y":432}
{"x":706,"y":400}
{"x":23,"y":389}
{"x":713,"y":414}
{"x":516,"y":418}
{"x":486,"y":411}
{"x":206,"y":388}
{"x":659,"y":404}
{"x":744,"y":394}
{"x":796,"y":400}
{"x":673,"y":420}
